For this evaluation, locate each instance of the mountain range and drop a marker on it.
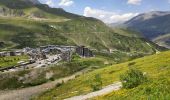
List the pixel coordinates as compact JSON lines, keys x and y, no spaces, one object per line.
{"x":152,"y":25}
{"x":28,"y":23}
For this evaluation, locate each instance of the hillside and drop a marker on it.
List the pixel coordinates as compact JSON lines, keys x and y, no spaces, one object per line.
{"x":18,"y":33}
{"x":156,"y":68}
{"x":163,"y":40}
{"x":32,"y":10}
{"x":26,"y":24}
{"x":127,"y":32}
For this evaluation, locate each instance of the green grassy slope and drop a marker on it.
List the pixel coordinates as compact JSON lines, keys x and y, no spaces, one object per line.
{"x":157,"y":88}
{"x":127,"y":32}
{"x":156,"y":67}
{"x":11,"y":61}
{"x":19,"y":32}
{"x":26,"y":9}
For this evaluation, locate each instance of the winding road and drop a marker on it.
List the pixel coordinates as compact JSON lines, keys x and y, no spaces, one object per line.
{"x":28,"y":93}
{"x":105,"y":90}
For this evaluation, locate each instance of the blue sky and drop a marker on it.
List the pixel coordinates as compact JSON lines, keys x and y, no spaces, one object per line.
{"x":110,"y":11}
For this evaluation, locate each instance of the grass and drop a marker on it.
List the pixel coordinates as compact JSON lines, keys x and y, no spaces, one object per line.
{"x":11,"y":61}
{"x":126,"y":32}
{"x":119,"y":56}
{"x":157,"y":89}
{"x":157,"y":68}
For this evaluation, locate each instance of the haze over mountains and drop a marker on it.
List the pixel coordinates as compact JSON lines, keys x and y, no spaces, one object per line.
{"x":153,"y":25}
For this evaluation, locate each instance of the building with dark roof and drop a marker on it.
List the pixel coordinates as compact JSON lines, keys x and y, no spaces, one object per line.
{"x":84,"y":52}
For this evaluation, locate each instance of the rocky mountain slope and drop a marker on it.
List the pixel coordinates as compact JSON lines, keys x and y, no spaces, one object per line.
{"x":152,"y":25}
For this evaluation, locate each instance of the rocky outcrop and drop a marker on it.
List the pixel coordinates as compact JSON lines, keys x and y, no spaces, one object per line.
{"x":11,"y":12}
{"x":2,"y":44}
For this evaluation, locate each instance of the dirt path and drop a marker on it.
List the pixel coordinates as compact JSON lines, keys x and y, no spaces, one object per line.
{"x":27,"y":93}
{"x":105,"y":90}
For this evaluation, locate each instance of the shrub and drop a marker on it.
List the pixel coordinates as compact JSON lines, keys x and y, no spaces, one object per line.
{"x":97,"y":83}
{"x":59,"y":84}
{"x":9,"y":83}
{"x":75,"y":57}
{"x":77,"y":76}
{"x":131,"y":63}
{"x":52,"y":79}
{"x":132,"y":78}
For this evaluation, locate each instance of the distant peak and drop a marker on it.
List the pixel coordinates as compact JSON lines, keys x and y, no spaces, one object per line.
{"x":150,"y":15}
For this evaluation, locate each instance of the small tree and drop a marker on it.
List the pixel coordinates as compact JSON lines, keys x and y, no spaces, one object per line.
{"x":97,"y":83}
{"x":75,"y":57}
{"x":132,"y":78}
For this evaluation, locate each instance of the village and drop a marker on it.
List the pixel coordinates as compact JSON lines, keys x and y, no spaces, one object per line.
{"x":44,"y":56}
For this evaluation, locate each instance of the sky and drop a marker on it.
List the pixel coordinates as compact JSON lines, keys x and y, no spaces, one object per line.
{"x":109,"y":11}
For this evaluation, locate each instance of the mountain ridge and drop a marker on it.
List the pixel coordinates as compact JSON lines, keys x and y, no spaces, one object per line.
{"x":151,"y":25}
{"x":149,"y":15}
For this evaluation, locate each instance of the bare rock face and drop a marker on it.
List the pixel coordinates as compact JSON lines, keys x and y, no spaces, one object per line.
{"x":10,"y":12}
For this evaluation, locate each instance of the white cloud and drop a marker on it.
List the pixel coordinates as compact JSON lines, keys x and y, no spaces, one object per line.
{"x":106,"y":16}
{"x":50,"y":3}
{"x":123,"y":17}
{"x":66,"y":3}
{"x":134,"y":2}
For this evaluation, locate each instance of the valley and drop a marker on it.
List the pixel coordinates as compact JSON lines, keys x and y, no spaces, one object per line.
{"x":163,"y":40}
{"x":47,"y":53}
